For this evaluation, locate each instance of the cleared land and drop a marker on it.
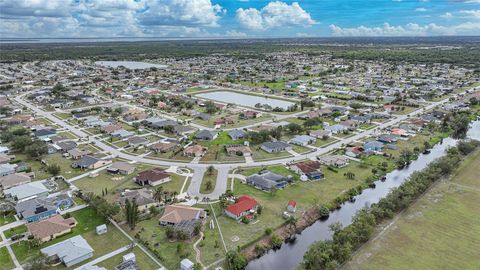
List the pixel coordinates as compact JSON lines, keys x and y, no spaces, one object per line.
{"x":440,"y":231}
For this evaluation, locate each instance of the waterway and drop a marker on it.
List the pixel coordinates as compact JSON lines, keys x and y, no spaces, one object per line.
{"x":290,"y":255}
{"x":245,"y":100}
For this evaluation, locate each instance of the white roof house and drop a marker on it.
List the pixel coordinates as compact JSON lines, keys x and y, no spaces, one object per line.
{"x":101,"y":229}
{"x":71,"y":251}
{"x":28,"y":191}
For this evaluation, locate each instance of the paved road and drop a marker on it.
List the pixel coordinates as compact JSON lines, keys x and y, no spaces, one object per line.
{"x":199,"y":169}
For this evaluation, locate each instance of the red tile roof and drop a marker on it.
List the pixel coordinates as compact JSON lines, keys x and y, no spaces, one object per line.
{"x":292,"y":203}
{"x":243,"y":204}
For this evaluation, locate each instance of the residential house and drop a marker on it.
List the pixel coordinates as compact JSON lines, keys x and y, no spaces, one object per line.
{"x":27,"y":191}
{"x":76,"y":153}
{"x":137,"y":141}
{"x":143,"y":198}
{"x":361,"y":119}
{"x":195,"y":150}
{"x":311,"y":169}
{"x":399,"y":132}
{"x":71,"y":251}
{"x":357,"y":151}
{"x":121,"y":167}
{"x":267,"y":180}
{"x":238,"y":150}
{"x":276,"y":146}
{"x":321,"y":133}
{"x":206,"y":135}
{"x":349,"y":124}
{"x":333,"y":160}
{"x":244,"y":206}
{"x":237,"y":134}
{"x":51,"y":228}
{"x":15,"y":179}
{"x":122,"y":133}
{"x":89,"y":162}
{"x":177,"y":213}
{"x":152,"y":177}
{"x":163,"y":147}
{"x":303,"y":140}
{"x":373,"y":146}
{"x":186,"y":264}
{"x":387,"y":138}
{"x":335,"y":129}
{"x":36,"y":209}
{"x":248,"y":115}
{"x":44,"y":134}
{"x":67,"y":145}
{"x":6,"y":169}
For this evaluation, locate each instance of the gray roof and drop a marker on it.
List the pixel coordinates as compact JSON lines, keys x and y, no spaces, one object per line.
{"x":302,"y":139}
{"x":69,"y":250}
{"x":336,"y":127}
{"x":205,"y":134}
{"x":27,"y":190}
{"x":66,"y":145}
{"x":137,"y":140}
{"x":236,"y":133}
{"x":35,"y":206}
{"x":275,"y":145}
{"x":265,"y":180}
{"x":86,"y":161}
{"x":164,"y":123}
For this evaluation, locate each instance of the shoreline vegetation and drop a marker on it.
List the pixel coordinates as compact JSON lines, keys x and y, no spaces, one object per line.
{"x":258,"y":247}
{"x":330,"y":254}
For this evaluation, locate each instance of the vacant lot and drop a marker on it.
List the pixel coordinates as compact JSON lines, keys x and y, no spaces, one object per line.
{"x":440,"y":231}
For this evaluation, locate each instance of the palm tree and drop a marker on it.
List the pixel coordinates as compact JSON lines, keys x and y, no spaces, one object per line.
{"x":292,"y":222}
{"x":158,"y":194}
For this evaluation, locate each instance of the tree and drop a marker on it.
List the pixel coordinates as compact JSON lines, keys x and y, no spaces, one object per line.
{"x":294,"y":128}
{"x":268,"y":231}
{"x":53,"y":169}
{"x":460,"y":125}
{"x":131,"y":212}
{"x":169,"y":129}
{"x":292,"y":222}
{"x":36,"y":149}
{"x":350,"y":175}
{"x":210,"y":107}
{"x":158,"y":194}
{"x":19,"y":143}
{"x":276,"y":241}
{"x":210,"y":170}
{"x":235,"y":260}
{"x":209,"y":185}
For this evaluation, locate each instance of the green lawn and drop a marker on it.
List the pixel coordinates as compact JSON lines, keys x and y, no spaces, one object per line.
{"x":323,"y":143}
{"x":6,"y":262}
{"x":301,"y":149}
{"x":143,"y":261}
{"x":119,"y":182}
{"x":441,"y":230}
{"x":208,"y":178}
{"x":217,"y":153}
{"x":306,"y":194}
{"x":6,"y":219}
{"x":153,"y":236}
{"x":17,"y":230}
{"x":87,"y":221}
{"x":259,"y":154}
{"x":67,"y":134}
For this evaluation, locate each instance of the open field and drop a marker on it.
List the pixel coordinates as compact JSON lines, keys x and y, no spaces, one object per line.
{"x":439,"y":231}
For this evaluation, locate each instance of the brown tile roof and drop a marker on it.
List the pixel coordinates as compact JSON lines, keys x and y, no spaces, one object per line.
{"x":51,"y":226}
{"x":176,"y":213}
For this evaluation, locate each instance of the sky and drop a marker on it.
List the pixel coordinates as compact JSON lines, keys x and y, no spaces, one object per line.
{"x":236,"y":18}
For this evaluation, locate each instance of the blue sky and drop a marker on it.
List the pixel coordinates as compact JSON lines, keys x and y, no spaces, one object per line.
{"x":237,"y":18}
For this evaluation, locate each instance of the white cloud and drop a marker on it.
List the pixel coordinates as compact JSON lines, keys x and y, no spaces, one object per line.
{"x":420,"y":9}
{"x":471,"y":13}
{"x":411,"y":29}
{"x":447,"y":15}
{"x":273,"y":15}
{"x":181,"y":12}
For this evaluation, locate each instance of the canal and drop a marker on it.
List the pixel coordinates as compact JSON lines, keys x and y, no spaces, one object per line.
{"x":290,"y":255}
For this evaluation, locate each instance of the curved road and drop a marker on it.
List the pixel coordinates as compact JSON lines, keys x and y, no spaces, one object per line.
{"x":223,"y":169}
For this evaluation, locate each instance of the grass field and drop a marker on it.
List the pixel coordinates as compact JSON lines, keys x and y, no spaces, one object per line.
{"x":206,"y":178}
{"x":6,"y":262}
{"x":306,"y":194}
{"x":439,"y":231}
{"x":143,"y":261}
{"x":87,"y":221}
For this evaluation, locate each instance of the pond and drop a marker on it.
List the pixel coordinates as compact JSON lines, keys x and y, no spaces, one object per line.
{"x":129,"y":64}
{"x":246,"y":100}
{"x":290,"y":255}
